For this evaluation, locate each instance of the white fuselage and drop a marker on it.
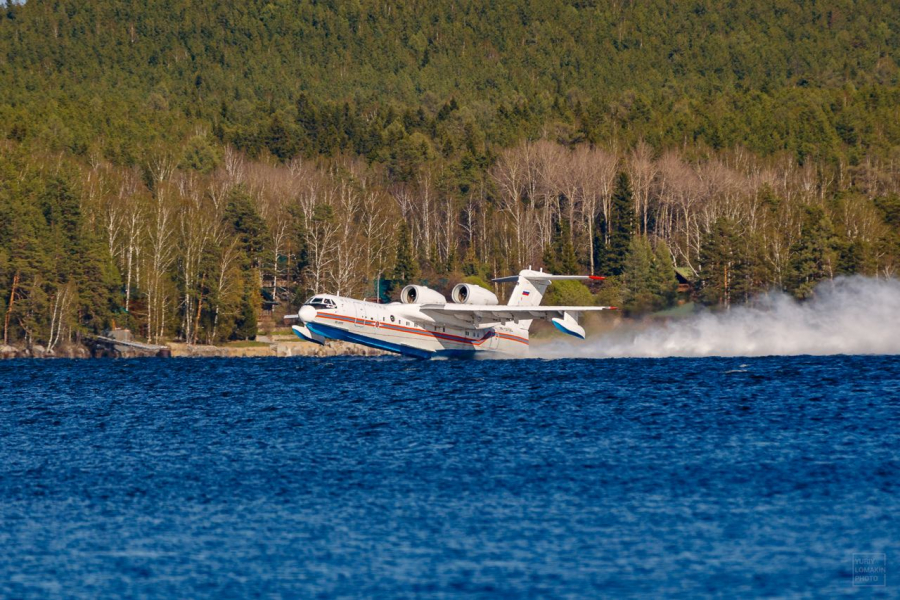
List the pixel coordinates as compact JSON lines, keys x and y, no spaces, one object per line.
{"x":404,"y":329}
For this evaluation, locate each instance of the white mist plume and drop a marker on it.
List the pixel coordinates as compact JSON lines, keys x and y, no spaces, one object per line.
{"x":850,"y":315}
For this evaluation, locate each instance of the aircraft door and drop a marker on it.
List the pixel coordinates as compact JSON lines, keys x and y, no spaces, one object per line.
{"x":347,"y":308}
{"x":494,"y":341}
{"x":367,"y":316}
{"x":361,"y":314}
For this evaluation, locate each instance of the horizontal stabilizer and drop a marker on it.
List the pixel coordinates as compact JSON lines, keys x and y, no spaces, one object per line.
{"x":531,"y":285}
{"x":541,"y":276}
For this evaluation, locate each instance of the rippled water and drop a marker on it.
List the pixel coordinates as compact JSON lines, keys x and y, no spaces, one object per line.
{"x":392,"y":477}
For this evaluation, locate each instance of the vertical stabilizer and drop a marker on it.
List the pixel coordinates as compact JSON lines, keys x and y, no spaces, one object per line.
{"x":530,"y":288}
{"x":531,"y":285}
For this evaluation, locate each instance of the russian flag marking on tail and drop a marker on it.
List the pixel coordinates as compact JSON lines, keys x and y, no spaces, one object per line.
{"x":526,"y":293}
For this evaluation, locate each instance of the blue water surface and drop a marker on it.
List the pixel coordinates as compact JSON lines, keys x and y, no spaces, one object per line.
{"x":392,"y":477}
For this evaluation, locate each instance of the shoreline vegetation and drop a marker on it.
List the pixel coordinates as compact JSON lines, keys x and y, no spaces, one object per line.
{"x":192,"y":173}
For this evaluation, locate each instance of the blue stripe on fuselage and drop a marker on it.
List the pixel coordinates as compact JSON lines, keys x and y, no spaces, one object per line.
{"x":347,"y":336}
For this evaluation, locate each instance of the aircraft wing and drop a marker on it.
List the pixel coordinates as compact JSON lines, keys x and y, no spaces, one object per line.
{"x":487,"y":313}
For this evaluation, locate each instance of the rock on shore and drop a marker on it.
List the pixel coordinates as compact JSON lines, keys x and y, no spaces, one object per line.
{"x":38,"y":351}
{"x":283,"y":349}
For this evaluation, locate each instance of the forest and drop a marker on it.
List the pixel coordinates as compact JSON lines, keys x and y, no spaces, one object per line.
{"x":184,"y":170}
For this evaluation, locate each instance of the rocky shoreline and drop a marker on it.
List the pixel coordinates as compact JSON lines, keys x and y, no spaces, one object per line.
{"x":177,"y":350}
{"x":275,"y":349}
{"x":67,"y":351}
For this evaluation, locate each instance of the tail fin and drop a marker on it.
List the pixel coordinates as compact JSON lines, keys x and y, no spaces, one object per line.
{"x":531,"y":285}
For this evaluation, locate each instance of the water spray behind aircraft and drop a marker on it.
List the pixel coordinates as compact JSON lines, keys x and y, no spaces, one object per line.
{"x":850,"y":315}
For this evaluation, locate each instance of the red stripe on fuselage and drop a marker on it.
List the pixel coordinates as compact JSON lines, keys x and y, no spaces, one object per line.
{"x":514,"y":338}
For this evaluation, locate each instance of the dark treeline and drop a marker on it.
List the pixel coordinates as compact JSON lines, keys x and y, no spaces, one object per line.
{"x":175,"y":167}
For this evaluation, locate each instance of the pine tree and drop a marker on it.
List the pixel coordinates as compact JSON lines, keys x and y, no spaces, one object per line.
{"x":662,"y":273}
{"x":25,"y":231}
{"x":637,"y":276}
{"x":281,"y":141}
{"x":549,"y":259}
{"x":200,"y":155}
{"x":621,"y":228}
{"x":471,"y":266}
{"x":246,"y":323}
{"x":81,"y":258}
{"x":247,"y":224}
{"x":717,"y":261}
{"x":561,"y":253}
{"x":566,"y":260}
{"x":813,"y":256}
{"x":714,"y":263}
{"x":406,"y":267}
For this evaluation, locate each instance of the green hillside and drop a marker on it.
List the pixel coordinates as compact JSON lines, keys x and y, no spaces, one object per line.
{"x":807,"y":77}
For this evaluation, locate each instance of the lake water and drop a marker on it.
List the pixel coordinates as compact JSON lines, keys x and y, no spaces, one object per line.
{"x":394,"y":477}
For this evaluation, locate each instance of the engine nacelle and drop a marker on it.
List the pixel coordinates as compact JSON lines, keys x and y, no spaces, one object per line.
{"x":466,"y":293}
{"x":419,"y":294}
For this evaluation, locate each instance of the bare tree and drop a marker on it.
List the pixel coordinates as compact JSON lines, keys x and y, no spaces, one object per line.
{"x":197,"y":223}
{"x":161,"y":255}
{"x":642,"y":170}
{"x":349,"y":252}
{"x":596,"y":170}
{"x":547,"y":181}
{"x":224,"y":278}
{"x":510,"y":174}
{"x":60,"y":314}
{"x":374,"y":224}
{"x":133,"y":224}
{"x":233,"y":164}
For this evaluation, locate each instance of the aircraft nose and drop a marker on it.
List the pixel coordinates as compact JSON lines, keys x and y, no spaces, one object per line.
{"x":307,"y":313}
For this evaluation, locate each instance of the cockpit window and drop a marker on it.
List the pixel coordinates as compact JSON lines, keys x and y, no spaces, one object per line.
{"x":322,"y":303}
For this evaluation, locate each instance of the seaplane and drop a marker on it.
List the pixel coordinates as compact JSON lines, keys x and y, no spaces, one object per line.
{"x":424,"y":325}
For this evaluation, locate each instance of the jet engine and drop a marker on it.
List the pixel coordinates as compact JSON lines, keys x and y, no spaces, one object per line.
{"x":419,"y":294}
{"x":466,"y":293}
